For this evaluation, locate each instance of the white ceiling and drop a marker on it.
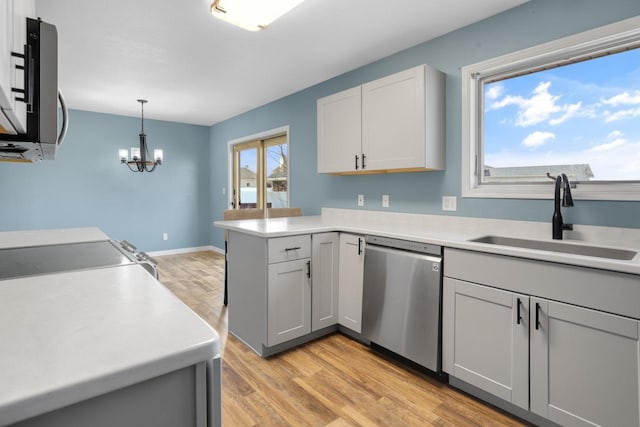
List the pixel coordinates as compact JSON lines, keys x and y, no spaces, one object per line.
{"x":194,"y":68}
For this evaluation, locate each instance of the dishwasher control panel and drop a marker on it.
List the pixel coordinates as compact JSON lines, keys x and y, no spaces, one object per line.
{"x":406,"y":245}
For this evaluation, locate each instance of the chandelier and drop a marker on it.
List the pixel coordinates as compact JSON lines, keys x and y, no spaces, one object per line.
{"x":139,"y":162}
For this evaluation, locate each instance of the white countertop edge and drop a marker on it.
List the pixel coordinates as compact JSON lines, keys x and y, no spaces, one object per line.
{"x":412,"y":227}
{"x":50,"y":400}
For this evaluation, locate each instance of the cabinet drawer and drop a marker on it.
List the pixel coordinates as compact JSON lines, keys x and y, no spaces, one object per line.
{"x":289,"y":248}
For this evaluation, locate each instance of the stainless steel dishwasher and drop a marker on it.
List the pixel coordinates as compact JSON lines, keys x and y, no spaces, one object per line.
{"x":402,"y":298}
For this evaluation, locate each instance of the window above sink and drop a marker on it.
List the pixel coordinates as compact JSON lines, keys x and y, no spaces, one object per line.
{"x":569,"y":106}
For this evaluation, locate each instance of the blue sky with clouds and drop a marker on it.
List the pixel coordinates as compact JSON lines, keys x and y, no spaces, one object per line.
{"x":588,"y":112}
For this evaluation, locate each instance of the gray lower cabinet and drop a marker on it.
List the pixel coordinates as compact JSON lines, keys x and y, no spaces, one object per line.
{"x":178,"y":398}
{"x":283,"y":289}
{"x":487,"y":339}
{"x":351,"y":280}
{"x":572,"y":365}
{"x":288,"y":301}
{"x":585,"y":365}
{"x":325,"y":257}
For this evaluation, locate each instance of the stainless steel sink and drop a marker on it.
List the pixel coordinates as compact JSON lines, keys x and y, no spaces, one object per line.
{"x":567,"y":248}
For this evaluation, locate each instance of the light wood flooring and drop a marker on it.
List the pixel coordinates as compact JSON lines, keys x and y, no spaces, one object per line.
{"x":333,"y":381}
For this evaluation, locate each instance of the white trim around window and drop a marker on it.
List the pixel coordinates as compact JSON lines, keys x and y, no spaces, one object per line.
{"x":613,"y":36}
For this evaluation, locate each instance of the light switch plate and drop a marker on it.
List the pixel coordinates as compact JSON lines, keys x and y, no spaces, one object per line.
{"x":165,"y":236}
{"x":360,"y":199}
{"x":449,"y":203}
{"x":385,"y":200}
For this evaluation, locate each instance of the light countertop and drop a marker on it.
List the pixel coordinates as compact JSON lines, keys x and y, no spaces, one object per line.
{"x":20,"y":239}
{"x":453,"y":232}
{"x":71,"y":336}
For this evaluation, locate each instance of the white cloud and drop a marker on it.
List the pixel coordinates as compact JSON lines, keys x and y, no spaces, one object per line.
{"x":623,"y":99}
{"x":570,"y":110}
{"x":621,"y":115}
{"x":537,"y":139}
{"x":541,"y":107}
{"x":609,"y":145}
{"x":495,"y":92}
{"x":615,"y":134}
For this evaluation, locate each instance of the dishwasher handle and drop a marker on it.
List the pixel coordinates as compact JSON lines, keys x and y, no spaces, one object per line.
{"x":436,"y":259}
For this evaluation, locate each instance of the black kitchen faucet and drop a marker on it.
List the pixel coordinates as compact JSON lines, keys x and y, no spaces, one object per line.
{"x":567,"y":201}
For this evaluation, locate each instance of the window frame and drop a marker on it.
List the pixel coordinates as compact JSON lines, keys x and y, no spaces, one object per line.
{"x":568,"y":49}
{"x":261,"y":140}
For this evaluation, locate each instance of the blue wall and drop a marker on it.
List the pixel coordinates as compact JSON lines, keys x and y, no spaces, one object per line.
{"x":533,"y":23}
{"x":87,"y":186}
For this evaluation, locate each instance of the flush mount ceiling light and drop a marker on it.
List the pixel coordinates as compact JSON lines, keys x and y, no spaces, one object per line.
{"x":139,"y":162}
{"x":252,"y":15}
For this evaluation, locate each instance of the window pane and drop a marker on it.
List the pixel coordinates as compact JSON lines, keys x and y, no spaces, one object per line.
{"x":277,"y":162}
{"x":248,"y":162}
{"x":582,"y":119}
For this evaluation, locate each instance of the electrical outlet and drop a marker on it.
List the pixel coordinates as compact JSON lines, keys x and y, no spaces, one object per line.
{"x":385,"y":200}
{"x":165,"y":236}
{"x":360,"y":199}
{"x":449,"y":203}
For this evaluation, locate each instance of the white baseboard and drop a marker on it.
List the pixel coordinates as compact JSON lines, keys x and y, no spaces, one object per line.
{"x":186,"y":250}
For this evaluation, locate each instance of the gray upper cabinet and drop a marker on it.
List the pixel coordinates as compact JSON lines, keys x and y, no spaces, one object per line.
{"x":324,"y":278}
{"x":584,"y":365}
{"x":395,"y":123}
{"x":487,"y":341}
{"x":340,"y":131}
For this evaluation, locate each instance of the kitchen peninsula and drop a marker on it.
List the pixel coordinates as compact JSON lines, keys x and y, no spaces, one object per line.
{"x":102,"y":346}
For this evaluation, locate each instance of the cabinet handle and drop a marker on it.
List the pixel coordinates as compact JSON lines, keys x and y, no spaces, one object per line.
{"x":295,"y":248}
{"x":359,"y":246}
{"x":309,"y":269}
{"x":357,"y":161}
{"x":363,"y":157}
{"x":537,"y":315}
{"x":518,"y":313}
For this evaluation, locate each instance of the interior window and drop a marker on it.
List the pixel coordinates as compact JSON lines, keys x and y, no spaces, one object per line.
{"x":571,"y":106}
{"x":261,"y":174}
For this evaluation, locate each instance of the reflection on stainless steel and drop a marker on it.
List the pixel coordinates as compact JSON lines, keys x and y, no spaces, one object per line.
{"x":401,"y":299}
{"x":36,"y":260}
{"x":563,"y":247}
{"x":30,"y":261}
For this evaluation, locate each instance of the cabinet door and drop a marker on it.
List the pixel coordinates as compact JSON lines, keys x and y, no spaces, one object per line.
{"x":324,"y":280}
{"x":393,"y":121}
{"x":351,"y":276}
{"x":340,"y":132}
{"x":6,"y":47}
{"x":288,"y":301}
{"x":584,"y":366}
{"x":486,"y":339}
{"x":14,"y":36}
